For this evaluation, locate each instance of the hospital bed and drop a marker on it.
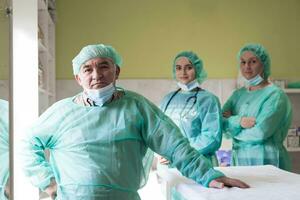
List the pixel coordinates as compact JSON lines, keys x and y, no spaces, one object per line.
{"x":267,"y":183}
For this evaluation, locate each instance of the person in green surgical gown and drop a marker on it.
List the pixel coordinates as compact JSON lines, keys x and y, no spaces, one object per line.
{"x":100,"y":139}
{"x":194,"y":110}
{"x":4,"y":153}
{"x":257,"y":116}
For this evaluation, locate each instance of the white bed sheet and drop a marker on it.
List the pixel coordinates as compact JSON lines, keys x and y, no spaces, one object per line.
{"x":267,"y":183}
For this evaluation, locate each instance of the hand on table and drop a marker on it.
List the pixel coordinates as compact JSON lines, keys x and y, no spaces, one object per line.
{"x":226,"y":181}
{"x":163,"y":160}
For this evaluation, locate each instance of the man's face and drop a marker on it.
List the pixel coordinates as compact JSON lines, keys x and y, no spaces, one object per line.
{"x":97,"y":73}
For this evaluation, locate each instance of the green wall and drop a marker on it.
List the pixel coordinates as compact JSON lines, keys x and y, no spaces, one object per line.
{"x":4,"y":42}
{"x":148,"y":33}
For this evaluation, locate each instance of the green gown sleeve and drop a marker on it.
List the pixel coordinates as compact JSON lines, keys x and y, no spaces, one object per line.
{"x":273,"y":114}
{"x":211,"y":128}
{"x":231,"y":125}
{"x":39,"y":138}
{"x":164,"y":137}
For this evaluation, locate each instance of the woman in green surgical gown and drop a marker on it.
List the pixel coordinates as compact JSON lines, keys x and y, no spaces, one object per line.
{"x":257,"y":116}
{"x":194,"y":110}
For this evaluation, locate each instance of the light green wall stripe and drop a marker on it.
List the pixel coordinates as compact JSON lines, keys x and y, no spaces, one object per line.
{"x":4,"y":42}
{"x":148,"y":33}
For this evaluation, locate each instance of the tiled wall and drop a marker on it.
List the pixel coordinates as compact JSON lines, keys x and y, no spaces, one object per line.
{"x":153,"y":89}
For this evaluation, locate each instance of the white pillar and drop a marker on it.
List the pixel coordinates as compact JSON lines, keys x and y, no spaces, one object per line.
{"x":25,"y":86}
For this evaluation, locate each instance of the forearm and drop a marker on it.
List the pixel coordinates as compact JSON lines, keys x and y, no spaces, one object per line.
{"x":186,"y":159}
{"x":211,"y":148}
{"x":232,"y":125}
{"x":194,"y":165}
{"x":35,"y":164}
{"x":254,"y":135}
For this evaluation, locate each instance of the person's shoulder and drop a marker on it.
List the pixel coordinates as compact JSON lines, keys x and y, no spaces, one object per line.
{"x":239,"y":92}
{"x":275,"y":88}
{"x":63,"y":101}
{"x":131,"y":95}
{"x":61,"y":105}
{"x":3,"y":104}
{"x":276,"y":91}
{"x":207,"y":95}
{"x":137,"y":98}
{"x":169,"y":95}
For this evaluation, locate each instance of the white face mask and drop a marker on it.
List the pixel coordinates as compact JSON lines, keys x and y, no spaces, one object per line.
{"x":102,"y":95}
{"x":254,"y":81}
{"x":190,"y":86}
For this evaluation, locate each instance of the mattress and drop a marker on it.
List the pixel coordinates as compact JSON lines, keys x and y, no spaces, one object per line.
{"x":267,"y":183}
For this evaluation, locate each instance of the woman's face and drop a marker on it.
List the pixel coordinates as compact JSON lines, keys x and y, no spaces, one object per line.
{"x":185,"y":71}
{"x":250,"y":65}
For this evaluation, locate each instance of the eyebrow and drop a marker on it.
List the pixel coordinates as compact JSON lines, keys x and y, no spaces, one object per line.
{"x":187,"y":65}
{"x":101,"y":63}
{"x":86,"y":66}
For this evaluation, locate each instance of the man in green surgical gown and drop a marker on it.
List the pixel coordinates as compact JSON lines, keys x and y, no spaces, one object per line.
{"x":100,"y":139}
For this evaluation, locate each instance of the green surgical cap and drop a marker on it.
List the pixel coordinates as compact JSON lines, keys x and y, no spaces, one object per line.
{"x":196,"y":62}
{"x":261,"y":53}
{"x":95,"y":51}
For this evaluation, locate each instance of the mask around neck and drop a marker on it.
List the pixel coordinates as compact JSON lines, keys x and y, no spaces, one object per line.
{"x":190,"y":86}
{"x":102,"y":95}
{"x":254,"y":81}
